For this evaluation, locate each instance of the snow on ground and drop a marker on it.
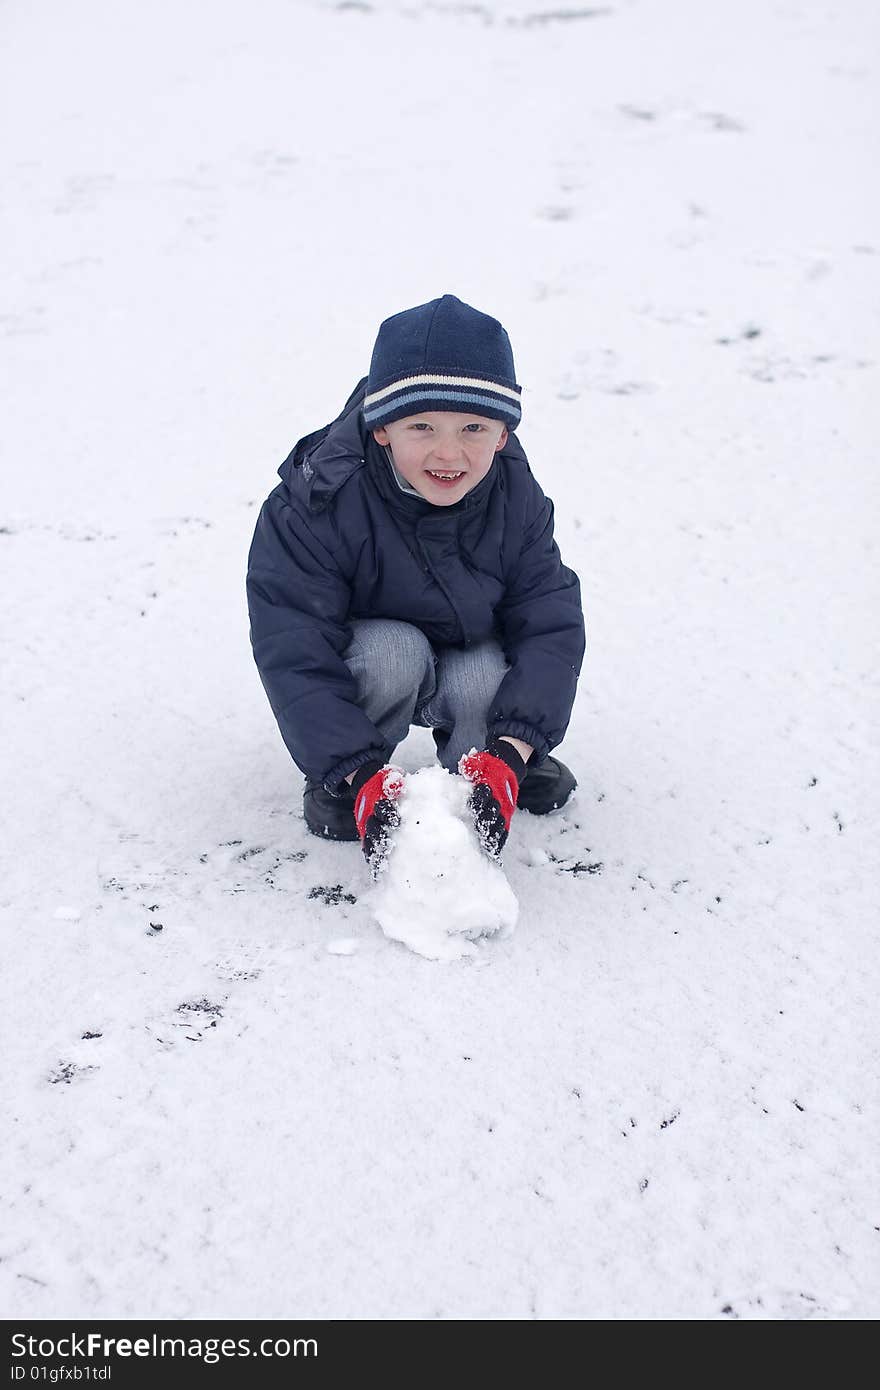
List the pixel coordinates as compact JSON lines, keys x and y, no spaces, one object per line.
{"x":225,"y":1092}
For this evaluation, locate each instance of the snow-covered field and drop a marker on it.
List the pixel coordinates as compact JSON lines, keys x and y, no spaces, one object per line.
{"x":225,"y":1091}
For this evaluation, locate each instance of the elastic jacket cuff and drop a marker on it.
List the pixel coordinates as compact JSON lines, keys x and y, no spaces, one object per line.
{"x":337,"y":775}
{"x":514,"y":728}
{"x":363,"y":775}
{"x":509,"y":755}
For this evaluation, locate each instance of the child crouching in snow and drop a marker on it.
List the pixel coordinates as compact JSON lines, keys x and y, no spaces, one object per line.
{"x":405,"y":572}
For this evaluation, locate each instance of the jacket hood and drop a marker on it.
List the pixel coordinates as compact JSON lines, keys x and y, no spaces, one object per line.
{"x":321,"y":462}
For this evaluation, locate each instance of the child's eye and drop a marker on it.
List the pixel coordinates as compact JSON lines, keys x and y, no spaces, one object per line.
{"x":421,"y":425}
{"x":476,"y":428}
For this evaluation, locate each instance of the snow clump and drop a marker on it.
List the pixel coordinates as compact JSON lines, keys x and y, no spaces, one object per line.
{"x":439,"y":893}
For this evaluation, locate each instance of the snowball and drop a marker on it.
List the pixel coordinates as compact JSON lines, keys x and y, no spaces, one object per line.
{"x":344,"y":946}
{"x":439,"y":892}
{"x":67,"y":914}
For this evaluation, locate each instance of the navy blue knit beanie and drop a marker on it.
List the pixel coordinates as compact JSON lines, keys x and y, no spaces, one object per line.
{"x":442,"y":356}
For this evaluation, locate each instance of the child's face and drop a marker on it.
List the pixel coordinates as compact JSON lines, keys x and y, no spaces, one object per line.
{"x":441,"y":454}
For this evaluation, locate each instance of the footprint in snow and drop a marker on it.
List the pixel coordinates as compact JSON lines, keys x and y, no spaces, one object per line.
{"x":66,"y":1073}
{"x":190,"y":1020}
{"x":332,"y":896}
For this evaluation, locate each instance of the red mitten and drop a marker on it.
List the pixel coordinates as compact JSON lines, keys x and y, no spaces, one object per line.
{"x":376,"y":790}
{"x":496,"y":773}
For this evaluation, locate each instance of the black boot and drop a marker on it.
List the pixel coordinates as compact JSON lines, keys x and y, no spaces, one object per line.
{"x":546,"y":788}
{"x":331,"y":817}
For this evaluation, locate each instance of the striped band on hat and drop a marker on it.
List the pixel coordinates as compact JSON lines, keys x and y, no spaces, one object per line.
{"x":432,"y":391}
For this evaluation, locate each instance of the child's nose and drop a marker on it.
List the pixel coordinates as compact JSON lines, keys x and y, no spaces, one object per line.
{"x":447,"y":449}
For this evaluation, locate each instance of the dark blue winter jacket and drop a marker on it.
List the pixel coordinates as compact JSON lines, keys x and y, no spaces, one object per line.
{"x":339,"y":540}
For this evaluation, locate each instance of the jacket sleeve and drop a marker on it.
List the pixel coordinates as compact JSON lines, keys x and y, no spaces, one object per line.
{"x":298,"y":602}
{"x":542,"y":633}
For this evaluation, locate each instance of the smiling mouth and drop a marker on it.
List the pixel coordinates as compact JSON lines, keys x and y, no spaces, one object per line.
{"x":444,"y":477}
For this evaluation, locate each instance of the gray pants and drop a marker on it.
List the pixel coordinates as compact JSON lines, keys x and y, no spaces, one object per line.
{"x":402,"y":680}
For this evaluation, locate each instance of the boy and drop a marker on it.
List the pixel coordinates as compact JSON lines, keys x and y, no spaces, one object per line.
{"x":405,"y":572}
